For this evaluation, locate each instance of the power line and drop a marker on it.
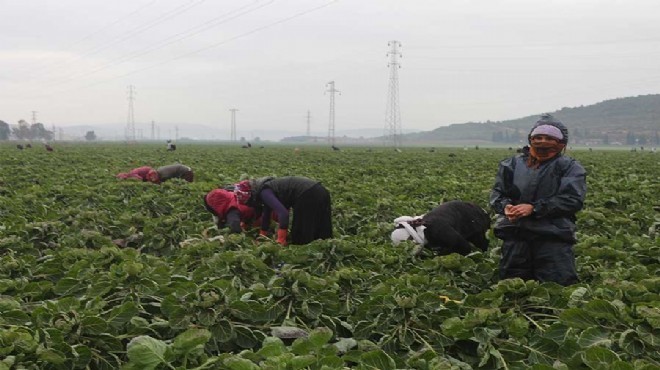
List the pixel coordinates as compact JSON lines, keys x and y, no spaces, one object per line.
{"x":90,"y":35}
{"x":331,"y":119}
{"x":309,"y":118}
{"x":130,"y":120}
{"x":393,"y":113}
{"x":136,"y":31}
{"x":239,"y":36}
{"x":168,"y":41}
{"x":537,"y":45}
{"x":233,"y":124}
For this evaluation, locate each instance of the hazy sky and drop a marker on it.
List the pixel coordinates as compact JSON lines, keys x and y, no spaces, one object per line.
{"x":192,"y":60}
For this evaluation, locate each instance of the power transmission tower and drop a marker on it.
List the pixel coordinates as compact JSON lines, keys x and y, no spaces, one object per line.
{"x":309,"y":119}
{"x":34,"y":117}
{"x":331,"y":121}
{"x":176,"y":133}
{"x":130,"y":121}
{"x":153,"y":130}
{"x":233,"y":124}
{"x":392,"y":112}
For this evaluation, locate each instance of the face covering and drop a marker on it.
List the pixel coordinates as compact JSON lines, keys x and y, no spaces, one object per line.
{"x":543,"y":150}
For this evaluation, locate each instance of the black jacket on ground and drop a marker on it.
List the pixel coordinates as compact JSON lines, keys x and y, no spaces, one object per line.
{"x":452,"y":226}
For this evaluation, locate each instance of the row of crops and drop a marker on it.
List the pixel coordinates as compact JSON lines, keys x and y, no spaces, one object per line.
{"x":97,"y":273}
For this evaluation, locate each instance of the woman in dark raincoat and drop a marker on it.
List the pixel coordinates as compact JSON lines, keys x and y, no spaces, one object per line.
{"x":536,"y":196}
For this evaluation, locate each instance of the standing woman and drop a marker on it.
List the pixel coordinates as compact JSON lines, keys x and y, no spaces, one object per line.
{"x":307,"y":198}
{"x":536,"y":196}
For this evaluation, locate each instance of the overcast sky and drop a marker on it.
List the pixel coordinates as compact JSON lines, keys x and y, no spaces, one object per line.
{"x":192,"y":60}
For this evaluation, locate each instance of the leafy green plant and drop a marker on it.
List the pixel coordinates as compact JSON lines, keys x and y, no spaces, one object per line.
{"x":104,"y":274}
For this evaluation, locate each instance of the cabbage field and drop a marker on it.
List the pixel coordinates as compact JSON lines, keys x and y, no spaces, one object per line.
{"x":97,"y":273}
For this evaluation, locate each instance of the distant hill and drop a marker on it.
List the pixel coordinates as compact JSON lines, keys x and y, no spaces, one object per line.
{"x":625,"y":121}
{"x":352,"y":136}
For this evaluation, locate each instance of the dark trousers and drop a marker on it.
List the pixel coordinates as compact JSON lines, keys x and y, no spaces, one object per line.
{"x":538,"y":259}
{"x":312,"y":216}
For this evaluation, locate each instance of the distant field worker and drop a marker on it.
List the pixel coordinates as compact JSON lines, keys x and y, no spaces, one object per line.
{"x":226,"y":210}
{"x":146,"y":173}
{"x":536,"y":195}
{"x":173,"y":171}
{"x":307,"y":198}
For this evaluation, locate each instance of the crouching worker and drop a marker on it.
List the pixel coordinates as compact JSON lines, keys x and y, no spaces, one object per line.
{"x":146,"y":173}
{"x":226,"y":210}
{"x":173,"y":171}
{"x":536,"y":195}
{"x":448,"y":228}
{"x":307,"y":198}
{"x":139,"y":174}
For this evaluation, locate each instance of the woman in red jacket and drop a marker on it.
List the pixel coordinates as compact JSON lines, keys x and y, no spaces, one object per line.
{"x":139,"y":173}
{"x":161,"y":174}
{"x":227,"y":211}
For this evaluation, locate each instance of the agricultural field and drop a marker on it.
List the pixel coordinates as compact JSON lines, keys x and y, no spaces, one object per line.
{"x":97,"y":273}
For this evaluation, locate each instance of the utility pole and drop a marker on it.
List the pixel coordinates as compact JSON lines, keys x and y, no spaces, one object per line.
{"x":130,"y":121}
{"x":392,"y":113}
{"x":233,"y":124}
{"x":331,"y":121}
{"x":153,"y":130}
{"x":309,"y":119}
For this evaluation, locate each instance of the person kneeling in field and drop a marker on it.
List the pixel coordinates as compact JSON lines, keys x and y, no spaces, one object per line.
{"x":226,"y":210}
{"x":307,"y":198}
{"x":164,"y":173}
{"x":448,"y":228}
{"x":173,"y":171}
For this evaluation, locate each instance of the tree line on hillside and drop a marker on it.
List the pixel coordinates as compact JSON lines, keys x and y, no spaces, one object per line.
{"x":586,"y":136}
{"x":622,"y":121}
{"x":25,"y":131}
{"x":638,"y":114}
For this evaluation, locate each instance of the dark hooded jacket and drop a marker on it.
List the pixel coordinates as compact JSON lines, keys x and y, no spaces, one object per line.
{"x":556,"y":189}
{"x":548,"y":119}
{"x":287,"y":189}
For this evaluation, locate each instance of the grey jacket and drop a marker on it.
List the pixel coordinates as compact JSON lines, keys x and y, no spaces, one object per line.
{"x":173,"y":171}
